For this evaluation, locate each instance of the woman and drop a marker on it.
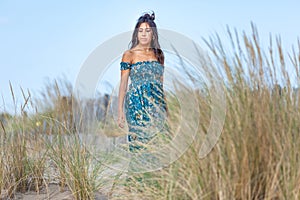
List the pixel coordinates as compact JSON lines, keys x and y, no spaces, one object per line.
{"x":145,"y":105}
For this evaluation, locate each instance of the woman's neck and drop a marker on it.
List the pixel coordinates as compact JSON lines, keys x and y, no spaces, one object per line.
{"x":145,"y":48}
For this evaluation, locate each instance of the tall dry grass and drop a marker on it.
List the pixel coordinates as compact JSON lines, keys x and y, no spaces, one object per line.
{"x":23,"y":157}
{"x":40,"y":146}
{"x":256,"y":157}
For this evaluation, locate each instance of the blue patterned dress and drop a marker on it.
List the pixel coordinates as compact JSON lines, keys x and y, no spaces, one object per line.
{"x":145,"y":106}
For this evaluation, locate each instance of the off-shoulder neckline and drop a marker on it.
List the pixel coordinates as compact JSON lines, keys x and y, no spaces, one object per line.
{"x":140,"y":62}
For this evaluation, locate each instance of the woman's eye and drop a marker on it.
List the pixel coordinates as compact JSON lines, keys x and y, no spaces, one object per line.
{"x":147,"y":30}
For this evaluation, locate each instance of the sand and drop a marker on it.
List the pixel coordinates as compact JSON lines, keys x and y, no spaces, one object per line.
{"x":52,"y":192}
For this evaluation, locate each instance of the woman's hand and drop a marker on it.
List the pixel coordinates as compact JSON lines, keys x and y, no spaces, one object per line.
{"x":121,"y":119}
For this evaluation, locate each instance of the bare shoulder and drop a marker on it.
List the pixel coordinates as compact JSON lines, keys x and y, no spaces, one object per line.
{"x":127,"y":56}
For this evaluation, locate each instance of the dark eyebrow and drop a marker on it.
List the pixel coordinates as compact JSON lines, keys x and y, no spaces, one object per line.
{"x":146,"y":28}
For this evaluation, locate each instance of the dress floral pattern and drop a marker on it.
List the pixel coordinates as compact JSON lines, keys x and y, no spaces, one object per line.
{"x":145,"y":106}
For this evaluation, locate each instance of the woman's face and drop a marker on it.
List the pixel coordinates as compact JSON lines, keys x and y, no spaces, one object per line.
{"x":144,"y":34}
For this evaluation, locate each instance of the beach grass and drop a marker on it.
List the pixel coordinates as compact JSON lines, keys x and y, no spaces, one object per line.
{"x":256,"y":156}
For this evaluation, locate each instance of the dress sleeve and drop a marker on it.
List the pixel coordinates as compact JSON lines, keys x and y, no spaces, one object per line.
{"x":125,"y":65}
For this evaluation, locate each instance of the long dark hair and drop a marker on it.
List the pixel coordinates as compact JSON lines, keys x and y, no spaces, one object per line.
{"x":154,"y":42}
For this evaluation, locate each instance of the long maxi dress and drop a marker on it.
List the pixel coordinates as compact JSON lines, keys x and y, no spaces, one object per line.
{"x":145,"y":105}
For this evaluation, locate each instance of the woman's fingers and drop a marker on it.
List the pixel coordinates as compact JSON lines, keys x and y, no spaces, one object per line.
{"x":121,"y":121}
{"x":121,"y":125}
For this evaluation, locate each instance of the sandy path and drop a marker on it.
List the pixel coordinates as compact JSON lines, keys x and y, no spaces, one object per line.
{"x":53,"y":192}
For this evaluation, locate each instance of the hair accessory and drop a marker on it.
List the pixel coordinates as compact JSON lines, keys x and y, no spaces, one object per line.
{"x":152,"y":17}
{"x":147,"y":16}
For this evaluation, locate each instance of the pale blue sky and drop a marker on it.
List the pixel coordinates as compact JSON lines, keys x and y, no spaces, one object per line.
{"x":48,"y":39}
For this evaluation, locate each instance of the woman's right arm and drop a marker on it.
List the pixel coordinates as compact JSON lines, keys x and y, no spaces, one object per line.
{"x":123,"y":88}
